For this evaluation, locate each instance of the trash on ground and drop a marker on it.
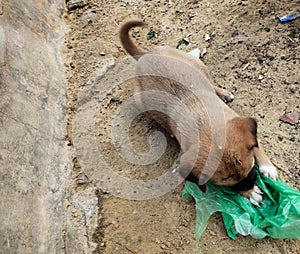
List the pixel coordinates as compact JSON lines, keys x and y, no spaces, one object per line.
{"x":183,"y":41}
{"x":246,"y":66}
{"x":278,"y":216}
{"x":151,"y":35}
{"x":164,"y":27}
{"x":291,"y":118}
{"x":195,"y":52}
{"x":289,"y":17}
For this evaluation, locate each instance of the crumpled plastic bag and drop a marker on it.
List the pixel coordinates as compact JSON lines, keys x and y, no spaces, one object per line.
{"x":278,"y":216}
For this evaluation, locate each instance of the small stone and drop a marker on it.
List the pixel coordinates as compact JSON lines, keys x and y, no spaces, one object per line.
{"x":74,"y":213}
{"x":89,"y":82}
{"x":73,"y":5}
{"x":212,"y":233}
{"x":206,"y":37}
{"x":82,"y":179}
{"x":102,"y":53}
{"x":291,"y":118}
{"x":260,"y":77}
{"x":163,"y":246}
{"x":179,"y":11}
{"x":204,"y":51}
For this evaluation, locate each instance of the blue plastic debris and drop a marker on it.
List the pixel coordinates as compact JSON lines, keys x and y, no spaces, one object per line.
{"x":289,"y":17}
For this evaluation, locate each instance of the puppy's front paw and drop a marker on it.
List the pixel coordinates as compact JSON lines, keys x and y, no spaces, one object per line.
{"x":269,"y":171}
{"x":254,"y":195}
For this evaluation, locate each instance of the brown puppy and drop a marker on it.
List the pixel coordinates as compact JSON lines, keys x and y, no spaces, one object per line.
{"x":183,"y":76}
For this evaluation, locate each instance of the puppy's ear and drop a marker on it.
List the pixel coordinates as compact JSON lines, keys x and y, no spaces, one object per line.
{"x":185,"y":165}
{"x":246,"y":124}
{"x":185,"y":170}
{"x":252,"y":125}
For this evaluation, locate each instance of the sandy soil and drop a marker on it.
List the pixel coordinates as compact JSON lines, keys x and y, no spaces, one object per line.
{"x":249,"y":53}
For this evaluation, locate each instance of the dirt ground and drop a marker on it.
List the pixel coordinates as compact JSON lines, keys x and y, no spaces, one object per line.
{"x":249,"y":53}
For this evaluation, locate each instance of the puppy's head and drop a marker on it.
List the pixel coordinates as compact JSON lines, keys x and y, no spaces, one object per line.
{"x":238,"y":158}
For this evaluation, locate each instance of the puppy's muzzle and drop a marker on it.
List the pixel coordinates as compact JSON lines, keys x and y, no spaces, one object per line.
{"x":247,"y":183}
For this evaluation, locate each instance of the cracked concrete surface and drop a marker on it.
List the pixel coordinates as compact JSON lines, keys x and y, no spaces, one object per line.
{"x":39,"y":212}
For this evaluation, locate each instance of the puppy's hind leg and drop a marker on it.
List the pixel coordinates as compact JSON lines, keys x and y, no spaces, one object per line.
{"x":224,"y":95}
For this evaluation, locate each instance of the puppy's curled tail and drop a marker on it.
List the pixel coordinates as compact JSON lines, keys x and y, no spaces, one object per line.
{"x":127,"y":42}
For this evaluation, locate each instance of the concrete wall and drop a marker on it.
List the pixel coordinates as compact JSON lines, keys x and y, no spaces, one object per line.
{"x":34,"y":158}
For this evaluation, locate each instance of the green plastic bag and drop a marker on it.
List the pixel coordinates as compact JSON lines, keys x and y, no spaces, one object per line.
{"x":278,"y":216}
